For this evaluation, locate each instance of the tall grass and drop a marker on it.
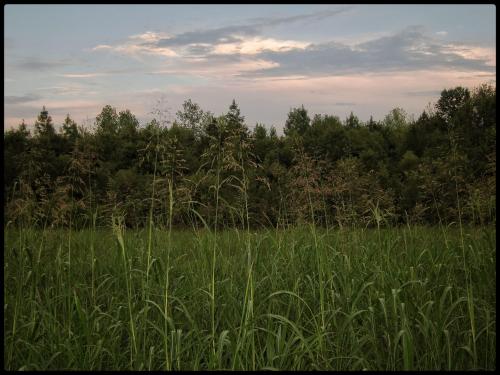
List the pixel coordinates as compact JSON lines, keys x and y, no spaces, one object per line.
{"x":393,"y":299}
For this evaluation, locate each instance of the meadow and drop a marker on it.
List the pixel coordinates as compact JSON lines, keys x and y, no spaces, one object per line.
{"x":150,"y":223}
{"x":304,"y":298}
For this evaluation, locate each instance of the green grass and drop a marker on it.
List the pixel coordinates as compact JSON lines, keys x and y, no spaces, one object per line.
{"x":299,"y":299}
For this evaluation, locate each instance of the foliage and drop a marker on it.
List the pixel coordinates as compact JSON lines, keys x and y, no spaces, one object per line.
{"x":439,"y":168}
{"x":393,"y":299}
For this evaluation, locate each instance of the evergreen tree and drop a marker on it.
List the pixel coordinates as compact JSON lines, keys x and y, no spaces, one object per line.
{"x":352,"y":121}
{"x":235,"y":121}
{"x":44,"y":126}
{"x":298,"y":122}
{"x":69,"y":129}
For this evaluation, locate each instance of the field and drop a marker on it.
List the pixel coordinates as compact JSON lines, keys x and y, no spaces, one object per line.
{"x":299,"y":299}
{"x":151,"y":223}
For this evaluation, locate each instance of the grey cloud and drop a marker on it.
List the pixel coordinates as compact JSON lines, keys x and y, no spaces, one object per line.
{"x":12,"y":99}
{"x":34,"y":63}
{"x":22,"y":111}
{"x":301,"y":17}
{"x":64,"y":90}
{"x":212,"y":36}
{"x":407,"y":50}
{"x":229,"y":34}
{"x":424,"y":93}
{"x":480,"y":75}
{"x":194,"y":60}
{"x":199,"y":50}
{"x":485,"y":75}
{"x":225,"y":58}
{"x":345,"y":104}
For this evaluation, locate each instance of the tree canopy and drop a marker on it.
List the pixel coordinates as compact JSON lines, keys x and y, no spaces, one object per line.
{"x":435,"y":169}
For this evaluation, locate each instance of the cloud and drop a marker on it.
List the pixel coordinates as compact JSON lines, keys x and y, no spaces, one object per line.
{"x":67,"y":89}
{"x":240,"y":55}
{"x":81,"y":75}
{"x":233,"y":39}
{"x":423,"y":93}
{"x":408,"y":50}
{"x":228,"y":34}
{"x":255,"y":45}
{"x":473,"y":53}
{"x":218,"y":67}
{"x":146,"y":43}
{"x":62,"y":105}
{"x":316,"y":16}
{"x":199,"y":50}
{"x":102,"y":47}
{"x":37,"y":64}
{"x":149,"y":36}
{"x":236,"y":33}
{"x":15,"y":113}
{"x":12,"y":99}
{"x":370,"y":94}
{"x":481,"y":75}
{"x":345,"y":104}
{"x":222,"y":53}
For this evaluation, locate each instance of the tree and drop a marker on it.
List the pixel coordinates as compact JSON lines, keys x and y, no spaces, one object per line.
{"x":16,"y":143}
{"x":127,"y":124}
{"x":43,"y":125}
{"x":396,"y":119}
{"x":23,"y":130}
{"x":193,"y":117}
{"x":126,"y":154}
{"x":352,"y":121}
{"x":107,"y":121}
{"x":297,"y":122}
{"x":69,"y":129}
{"x":260,"y":142}
{"x":235,"y":121}
{"x":326,"y":138}
{"x":107,"y":125}
{"x":404,"y":169}
{"x":372,"y":125}
{"x":49,"y":146}
{"x":451,"y":101}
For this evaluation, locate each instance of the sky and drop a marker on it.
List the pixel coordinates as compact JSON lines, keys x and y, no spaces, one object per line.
{"x":333,"y":59}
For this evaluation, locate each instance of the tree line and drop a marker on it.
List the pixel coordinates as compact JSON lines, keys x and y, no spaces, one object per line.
{"x":203,"y":169}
